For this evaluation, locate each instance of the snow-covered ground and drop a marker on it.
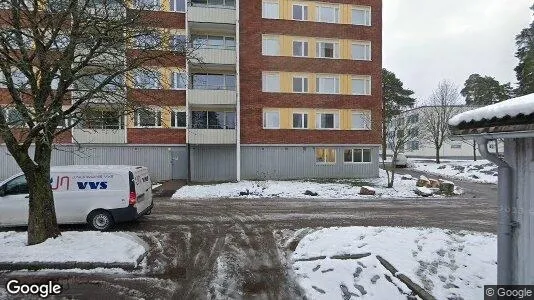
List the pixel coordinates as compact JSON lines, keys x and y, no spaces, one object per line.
{"x":80,"y":247}
{"x":481,"y":171}
{"x":335,"y":189}
{"x":447,"y":264}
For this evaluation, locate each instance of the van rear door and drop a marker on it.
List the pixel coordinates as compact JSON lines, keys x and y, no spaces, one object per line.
{"x":141,"y":185}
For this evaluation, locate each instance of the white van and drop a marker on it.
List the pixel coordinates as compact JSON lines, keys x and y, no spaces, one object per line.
{"x":98,"y":195}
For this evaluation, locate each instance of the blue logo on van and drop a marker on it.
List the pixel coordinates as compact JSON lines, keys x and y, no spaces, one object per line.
{"x":92,"y":185}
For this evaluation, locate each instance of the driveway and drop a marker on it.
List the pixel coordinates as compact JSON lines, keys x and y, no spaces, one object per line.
{"x":214,"y":249}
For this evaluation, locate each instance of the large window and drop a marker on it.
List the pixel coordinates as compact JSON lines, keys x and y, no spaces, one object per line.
{"x":102,"y":119}
{"x":327,"y":84}
{"x":215,"y":3}
{"x":327,"y":121}
{"x":214,"y":82}
{"x":147,"y":4}
{"x":13,"y":117}
{"x":361,"y":120}
{"x":147,"y":79}
{"x":213,"y":119}
{"x":179,"y":80}
{"x":213,"y":41}
{"x":361,"y":16}
{"x":270,"y":10}
{"x":271,"y":82}
{"x":325,"y":156}
{"x":271,"y":120}
{"x":327,"y":14}
{"x":357,"y":156}
{"x":20,"y":81}
{"x":300,"y":12}
{"x":300,"y":48}
{"x":178,"y":5}
{"x":271,"y":46}
{"x":300,"y":84}
{"x":361,"y":51}
{"x":327,"y":50}
{"x":178,"y":42}
{"x":148,"y":41}
{"x":361,"y":85}
{"x":147,"y":118}
{"x":178,"y":119}
{"x":300,"y":120}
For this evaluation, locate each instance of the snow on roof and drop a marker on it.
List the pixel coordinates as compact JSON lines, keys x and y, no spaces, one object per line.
{"x":509,"y":108}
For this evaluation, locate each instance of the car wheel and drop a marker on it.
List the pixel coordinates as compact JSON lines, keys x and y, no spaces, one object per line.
{"x":100,"y":220}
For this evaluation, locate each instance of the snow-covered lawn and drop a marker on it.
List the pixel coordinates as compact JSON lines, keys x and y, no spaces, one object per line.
{"x":88,"y":247}
{"x":447,"y":264}
{"x":481,"y":171}
{"x":334,"y":189}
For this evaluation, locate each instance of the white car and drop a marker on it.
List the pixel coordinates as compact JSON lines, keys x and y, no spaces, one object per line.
{"x":98,"y":195}
{"x":402,"y":161}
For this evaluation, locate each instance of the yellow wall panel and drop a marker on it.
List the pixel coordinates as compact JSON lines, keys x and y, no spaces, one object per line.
{"x":286,"y":45}
{"x":285,"y":11}
{"x":285,"y":117}
{"x":166,"y":117}
{"x":344,"y":49}
{"x":345,"y":12}
{"x":285,"y":82}
{"x":345,"y":84}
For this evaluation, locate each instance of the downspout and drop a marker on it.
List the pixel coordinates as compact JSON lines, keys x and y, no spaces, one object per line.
{"x":505,"y":222}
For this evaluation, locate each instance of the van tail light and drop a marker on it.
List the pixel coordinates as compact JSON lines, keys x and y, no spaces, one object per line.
{"x":133,"y":199}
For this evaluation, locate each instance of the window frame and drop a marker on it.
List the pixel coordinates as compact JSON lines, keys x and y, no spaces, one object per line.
{"x":337,"y":82}
{"x":368,"y":52}
{"x":172,"y":6}
{"x":324,"y":162}
{"x":263,"y":10}
{"x":368,"y":15}
{"x":336,"y":50}
{"x":318,"y":121}
{"x":175,"y":76}
{"x":265,"y":112}
{"x":318,"y":13}
{"x":367,"y":85}
{"x":305,"y":82}
{"x":264,"y":82}
{"x":363,"y":113}
{"x":305,"y":118}
{"x":264,"y":48}
{"x":303,"y":42}
{"x":174,"y":118}
{"x":157,"y":118}
{"x":305,"y":12}
{"x":353,"y":154}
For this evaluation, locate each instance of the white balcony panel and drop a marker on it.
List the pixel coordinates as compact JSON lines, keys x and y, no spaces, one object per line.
{"x":212,"y":97}
{"x":216,"y":56}
{"x":211,"y":15}
{"x":212,"y":136}
{"x":98,"y":136}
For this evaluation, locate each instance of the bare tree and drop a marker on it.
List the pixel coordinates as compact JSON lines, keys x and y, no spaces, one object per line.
{"x":401,"y":132}
{"x":442,"y":105}
{"x":58,"y":60}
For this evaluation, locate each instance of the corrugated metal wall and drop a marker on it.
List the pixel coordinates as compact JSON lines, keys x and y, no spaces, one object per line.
{"x":299,"y":162}
{"x":156,"y":158}
{"x":213,"y":163}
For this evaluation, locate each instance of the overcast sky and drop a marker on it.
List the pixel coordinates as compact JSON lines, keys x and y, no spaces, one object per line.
{"x":427,"y":41}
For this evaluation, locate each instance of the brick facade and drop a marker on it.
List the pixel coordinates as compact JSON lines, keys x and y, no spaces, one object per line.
{"x":156,"y":136}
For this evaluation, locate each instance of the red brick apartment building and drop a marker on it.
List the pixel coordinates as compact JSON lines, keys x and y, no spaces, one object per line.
{"x":285,"y":89}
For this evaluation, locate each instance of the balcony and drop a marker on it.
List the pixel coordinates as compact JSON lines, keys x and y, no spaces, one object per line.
{"x":99,"y":136}
{"x":212,"y":97}
{"x":216,"y":56}
{"x":212,"y":136}
{"x":209,"y":14}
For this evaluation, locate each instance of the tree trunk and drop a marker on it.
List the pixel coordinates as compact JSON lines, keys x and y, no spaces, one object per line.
{"x":391,"y":180}
{"x":437,"y":156}
{"x":474,"y":151}
{"x":384,"y":141}
{"x":42,"y":222}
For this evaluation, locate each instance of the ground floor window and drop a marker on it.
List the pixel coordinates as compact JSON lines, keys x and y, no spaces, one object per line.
{"x":95,"y":118}
{"x":178,"y":119}
{"x":147,"y":118}
{"x":357,"y":155}
{"x":325,"y":156}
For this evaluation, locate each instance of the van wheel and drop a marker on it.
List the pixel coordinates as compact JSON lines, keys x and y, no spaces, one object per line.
{"x":100,"y":220}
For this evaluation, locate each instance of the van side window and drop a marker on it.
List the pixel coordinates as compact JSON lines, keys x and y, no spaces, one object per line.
{"x":17,"y":186}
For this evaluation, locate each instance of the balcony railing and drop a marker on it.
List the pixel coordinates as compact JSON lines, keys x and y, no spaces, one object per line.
{"x":99,"y":136}
{"x":212,"y":55}
{"x":212,"y":136}
{"x":212,"y":14}
{"x":212,"y":97}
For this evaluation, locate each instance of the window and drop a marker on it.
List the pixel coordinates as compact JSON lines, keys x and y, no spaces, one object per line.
{"x":270,"y":10}
{"x":327,"y":14}
{"x":214,"y":82}
{"x":147,"y":41}
{"x":456,"y":146}
{"x":300,"y":84}
{"x":90,"y":82}
{"x":213,"y":119}
{"x":327,"y":50}
{"x":177,"y":5}
{"x":325,"y":156}
{"x":145,"y":79}
{"x":300,"y":120}
{"x":271,"y":46}
{"x":300,"y":48}
{"x":357,"y":156}
{"x":361,"y":16}
{"x":60,"y":42}
{"x":178,"y":119}
{"x":214,"y":3}
{"x":271,"y":120}
{"x":102,"y":119}
{"x":300,"y":12}
{"x":414,"y":145}
{"x":361,"y":86}
{"x":179,"y":80}
{"x":20,"y":80}
{"x":147,"y":4}
{"x":361,"y":51}
{"x":178,"y":42}
{"x":147,"y":118}
{"x":361,"y":121}
{"x":327,"y":85}
{"x":17,"y":186}
{"x":213,"y":42}
{"x":327,"y":121}
{"x":12,"y":117}
{"x":271,"y":82}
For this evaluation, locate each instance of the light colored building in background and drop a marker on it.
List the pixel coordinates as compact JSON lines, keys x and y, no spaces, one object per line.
{"x":420,"y":146}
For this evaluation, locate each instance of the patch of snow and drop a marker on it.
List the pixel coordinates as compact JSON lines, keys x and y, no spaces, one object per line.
{"x":155,"y":186}
{"x":481,"y":171}
{"x":447,"y":264}
{"x":512,"y":108}
{"x":423,"y":191}
{"x":369,"y":188}
{"x":337,"y":189}
{"x":72,"y":246}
